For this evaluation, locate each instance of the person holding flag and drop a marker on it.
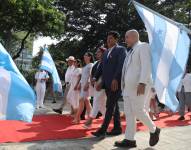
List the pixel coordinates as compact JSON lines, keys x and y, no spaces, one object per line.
{"x":41,"y":77}
{"x":68,"y":78}
{"x":48,"y":65}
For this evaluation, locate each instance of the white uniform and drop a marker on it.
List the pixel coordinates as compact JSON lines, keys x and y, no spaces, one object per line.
{"x":186,"y":82}
{"x":184,"y":94}
{"x":136,"y":69}
{"x":40,"y":87}
{"x":85,"y":78}
{"x":99,"y":102}
{"x":68,"y":78}
{"x":73,"y":96}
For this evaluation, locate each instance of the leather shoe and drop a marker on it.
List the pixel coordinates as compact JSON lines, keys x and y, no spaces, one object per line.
{"x":57,"y":111}
{"x":126,"y":144}
{"x":99,"y":134}
{"x":181,"y":118}
{"x":154,"y":137}
{"x":114,"y":132}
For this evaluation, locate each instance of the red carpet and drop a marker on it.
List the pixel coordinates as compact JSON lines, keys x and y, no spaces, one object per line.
{"x":54,"y":127}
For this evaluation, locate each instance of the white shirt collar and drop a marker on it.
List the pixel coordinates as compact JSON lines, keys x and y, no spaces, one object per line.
{"x":136,"y":44}
{"x":71,"y":67}
{"x":110,"y":49}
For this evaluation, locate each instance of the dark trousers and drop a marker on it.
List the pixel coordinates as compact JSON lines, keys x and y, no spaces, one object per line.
{"x":112,"y":109}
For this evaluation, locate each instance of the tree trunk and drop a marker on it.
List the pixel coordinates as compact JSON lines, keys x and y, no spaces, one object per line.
{"x":22,"y":45}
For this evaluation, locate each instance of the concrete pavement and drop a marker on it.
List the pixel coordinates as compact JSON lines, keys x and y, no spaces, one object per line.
{"x":176,"y":138}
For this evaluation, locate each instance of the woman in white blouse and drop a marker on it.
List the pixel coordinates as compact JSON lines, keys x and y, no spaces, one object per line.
{"x":84,"y":87}
{"x":73,"y":95}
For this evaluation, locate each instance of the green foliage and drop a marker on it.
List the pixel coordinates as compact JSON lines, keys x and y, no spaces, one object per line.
{"x":88,"y":21}
{"x":36,"y":17}
{"x":37,"y":59}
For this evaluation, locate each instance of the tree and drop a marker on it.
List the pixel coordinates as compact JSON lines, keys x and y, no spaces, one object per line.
{"x":88,"y":21}
{"x":34,"y":17}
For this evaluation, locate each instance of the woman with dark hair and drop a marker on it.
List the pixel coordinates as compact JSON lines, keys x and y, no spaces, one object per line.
{"x":99,"y":96}
{"x":84,"y":87}
{"x":73,"y":95}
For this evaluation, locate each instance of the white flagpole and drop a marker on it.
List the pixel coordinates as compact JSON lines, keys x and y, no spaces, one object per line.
{"x":180,"y":25}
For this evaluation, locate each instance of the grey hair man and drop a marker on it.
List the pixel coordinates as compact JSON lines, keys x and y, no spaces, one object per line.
{"x":136,"y":86}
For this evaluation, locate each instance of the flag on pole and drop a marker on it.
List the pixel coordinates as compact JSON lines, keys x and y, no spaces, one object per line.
{"x":47,"y":64}
{"x":169,"y":43}
{"x":17,"y":99}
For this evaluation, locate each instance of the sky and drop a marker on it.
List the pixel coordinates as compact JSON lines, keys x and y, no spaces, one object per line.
{"x":41,"y":41}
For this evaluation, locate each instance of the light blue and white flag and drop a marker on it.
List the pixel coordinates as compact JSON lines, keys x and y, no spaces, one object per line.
{"x":17,"y":99}
{"x":169,"y":43}
{"x":47,"y":64}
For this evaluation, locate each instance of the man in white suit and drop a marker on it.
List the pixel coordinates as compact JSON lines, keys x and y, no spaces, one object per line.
{"x":136,"y":86}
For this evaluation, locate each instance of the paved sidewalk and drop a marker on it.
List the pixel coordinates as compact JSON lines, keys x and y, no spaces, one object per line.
{"x":176,"y":138}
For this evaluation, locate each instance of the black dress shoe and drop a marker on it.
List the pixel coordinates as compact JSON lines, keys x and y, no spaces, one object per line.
{"x":59,"y":111}
{"x":99,"y":134}
{"x":82,"y":117}
{"x":98,"y":115}
{"x":114,"y":132}
{"x":126,"y":144}
{"x":181,"y":118}
{"x":154,"y":137}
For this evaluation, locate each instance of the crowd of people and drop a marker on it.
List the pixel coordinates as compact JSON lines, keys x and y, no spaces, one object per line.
{"x":116,"y":74}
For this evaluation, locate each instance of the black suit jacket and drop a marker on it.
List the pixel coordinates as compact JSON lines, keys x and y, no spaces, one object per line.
{"x":97,"y":70}
{"x":112,"y":66}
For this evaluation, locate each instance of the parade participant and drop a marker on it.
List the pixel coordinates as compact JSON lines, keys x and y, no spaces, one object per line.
{"x":70,"y":60}
{"x":99,"y":97}
{"x":111,"y":78}
{"x":41,"y":77}
{"x":73,"y":95}
{"x":184,"y":95}
{"x":84,"y":87}
{"x":136,"y":85}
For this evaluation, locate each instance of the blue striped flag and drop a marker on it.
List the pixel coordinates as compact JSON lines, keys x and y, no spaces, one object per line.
{"x":17,"y":99}
{"x":169,"y":43}
{"x":47,"y":64}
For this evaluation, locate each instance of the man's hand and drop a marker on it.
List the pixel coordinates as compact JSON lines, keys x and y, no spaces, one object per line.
{"x":114,"y":85}
{"x":141,"y":89}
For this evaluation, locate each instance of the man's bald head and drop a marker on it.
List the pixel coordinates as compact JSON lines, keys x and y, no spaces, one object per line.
{"x":131,"y":37}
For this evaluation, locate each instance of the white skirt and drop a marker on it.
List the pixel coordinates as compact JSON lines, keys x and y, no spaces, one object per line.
{"x":73,"y":97}
{"x":84,"y":94}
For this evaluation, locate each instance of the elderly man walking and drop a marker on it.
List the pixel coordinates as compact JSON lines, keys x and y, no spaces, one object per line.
{"x":136,"y":85}
{"x":70,"y":60}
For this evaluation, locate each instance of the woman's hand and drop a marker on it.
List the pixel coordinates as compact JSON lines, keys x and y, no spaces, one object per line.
{"x":79,"y":87}
{"x":92,"y":81}
{"x":86,"y":87}
{"x":76,"y":88}
{"x":98,"y":86}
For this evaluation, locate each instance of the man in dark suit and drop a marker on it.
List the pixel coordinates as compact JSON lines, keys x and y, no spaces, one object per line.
{"x":112,"y":68}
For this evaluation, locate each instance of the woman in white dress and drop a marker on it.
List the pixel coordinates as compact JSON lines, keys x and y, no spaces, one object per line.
{"x":84,"y":87}
{"x":73,"y":95}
